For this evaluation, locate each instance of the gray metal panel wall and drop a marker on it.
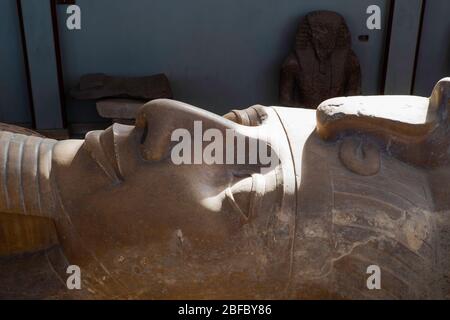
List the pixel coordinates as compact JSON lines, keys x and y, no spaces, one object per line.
{"x":14,"y":102}
{"x":402,"y":47}
{"x":434,"y":54}
{"x":42,"y":62}
{"x":218,"y":55}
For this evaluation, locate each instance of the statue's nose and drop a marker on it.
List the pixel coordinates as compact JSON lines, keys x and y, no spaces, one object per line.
{"x":157,"y":120}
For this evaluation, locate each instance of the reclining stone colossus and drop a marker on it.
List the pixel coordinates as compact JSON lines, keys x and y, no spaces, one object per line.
{"x":362,"y":181}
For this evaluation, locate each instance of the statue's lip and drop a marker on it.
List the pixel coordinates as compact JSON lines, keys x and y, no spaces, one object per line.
{"x":101,"y":146}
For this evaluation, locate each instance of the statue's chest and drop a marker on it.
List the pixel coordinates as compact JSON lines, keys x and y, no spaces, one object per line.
{"x":325,"y":76}
{"x":347,"y":222}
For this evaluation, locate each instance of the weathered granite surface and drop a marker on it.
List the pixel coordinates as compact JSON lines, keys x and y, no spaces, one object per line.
{"x":358,"y":183}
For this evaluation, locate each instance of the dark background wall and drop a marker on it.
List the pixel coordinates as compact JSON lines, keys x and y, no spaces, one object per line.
{"x":218,"y":54}
{"x":14,"y":101}
{"x":433,"y":61}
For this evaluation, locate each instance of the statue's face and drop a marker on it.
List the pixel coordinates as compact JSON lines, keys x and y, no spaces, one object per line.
{"x":323,"y":37}
{"x":129,"y":197}
{"x":158,"y":228}
{"x":325,"y":28}
{"x":357,"y":185}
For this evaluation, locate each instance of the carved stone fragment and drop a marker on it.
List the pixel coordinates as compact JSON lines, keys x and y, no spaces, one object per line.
{"x":99,"y":85}
{"x":322,"y":64}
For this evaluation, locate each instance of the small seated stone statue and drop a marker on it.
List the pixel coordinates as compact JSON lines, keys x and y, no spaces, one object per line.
{"x":322,"y":65}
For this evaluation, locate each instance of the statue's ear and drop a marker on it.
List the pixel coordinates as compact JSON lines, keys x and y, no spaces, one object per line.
{"x":157,"y":120}
{"x":440,"y":101}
